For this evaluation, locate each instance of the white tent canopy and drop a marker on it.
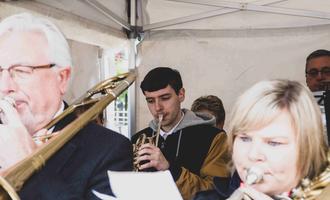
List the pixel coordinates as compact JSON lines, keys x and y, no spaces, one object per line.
{"x":220,"y":47}
{"x":239,"y":14}
{"x":223,"y":47}
{"x":113,"y":16}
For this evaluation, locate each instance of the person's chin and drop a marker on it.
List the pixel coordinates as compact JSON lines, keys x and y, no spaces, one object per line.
{"x":24,"y":113}
{"x":264,"y":187}
{"x":268,"y":187}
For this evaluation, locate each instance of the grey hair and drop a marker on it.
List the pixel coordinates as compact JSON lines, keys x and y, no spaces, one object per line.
{"x":59,"y":50}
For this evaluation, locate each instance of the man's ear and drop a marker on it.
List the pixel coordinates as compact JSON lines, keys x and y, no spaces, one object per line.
{"x":181,"y":94}
{"x":63,"y":78}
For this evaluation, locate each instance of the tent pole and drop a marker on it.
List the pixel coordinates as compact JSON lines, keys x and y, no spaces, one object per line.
{"x":132,"y":66}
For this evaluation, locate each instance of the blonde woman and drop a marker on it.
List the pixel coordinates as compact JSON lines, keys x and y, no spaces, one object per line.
{"x":276,"y":131}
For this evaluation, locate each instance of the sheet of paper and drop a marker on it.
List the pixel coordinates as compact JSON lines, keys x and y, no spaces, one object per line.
{"x":142,"y":185}
{"x":103,"y":196}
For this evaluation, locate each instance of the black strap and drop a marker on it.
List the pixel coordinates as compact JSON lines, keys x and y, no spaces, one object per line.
{"x":327,"y":111}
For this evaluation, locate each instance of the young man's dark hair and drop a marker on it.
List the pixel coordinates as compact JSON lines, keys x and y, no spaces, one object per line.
{"x":159,"y":78}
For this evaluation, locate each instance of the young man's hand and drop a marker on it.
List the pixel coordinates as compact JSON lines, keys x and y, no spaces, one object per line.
{"x":154,"y":156}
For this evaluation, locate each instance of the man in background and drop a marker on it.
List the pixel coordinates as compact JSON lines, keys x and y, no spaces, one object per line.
{"x":318,"y":80}
{"x":318,"y":70}
{"x":212,"y":105}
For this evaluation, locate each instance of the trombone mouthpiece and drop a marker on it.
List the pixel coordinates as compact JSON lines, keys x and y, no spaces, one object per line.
{"x":10,"y":100}
{"x":254,"y":175}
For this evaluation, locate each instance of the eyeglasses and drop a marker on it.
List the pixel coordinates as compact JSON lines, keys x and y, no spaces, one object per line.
{"x":325,"y":71}
{"x":20,"y":72}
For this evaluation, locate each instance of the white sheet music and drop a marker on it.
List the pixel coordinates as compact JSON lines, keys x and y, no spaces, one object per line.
{"x":142,"y":185}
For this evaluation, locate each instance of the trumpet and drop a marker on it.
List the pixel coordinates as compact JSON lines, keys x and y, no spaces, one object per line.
{"x":143,"y":139}
{"x":99,"y":97}
{"x":310,"y":189}
{"x":254,"y":175}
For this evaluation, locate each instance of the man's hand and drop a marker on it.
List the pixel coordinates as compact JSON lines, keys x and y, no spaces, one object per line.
{"x":15,"y":141}
{"x":151,"y":153}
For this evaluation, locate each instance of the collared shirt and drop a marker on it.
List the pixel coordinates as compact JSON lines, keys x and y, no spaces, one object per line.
{"x":165,"y":134}
{"x":57,"y":114}
{"x":319,"y":97}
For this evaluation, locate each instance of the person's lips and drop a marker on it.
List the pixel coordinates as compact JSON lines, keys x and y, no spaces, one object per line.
{"x":19,"y":104}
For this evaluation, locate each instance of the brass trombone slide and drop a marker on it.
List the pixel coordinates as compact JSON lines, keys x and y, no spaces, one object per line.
{"x":106,"y":91}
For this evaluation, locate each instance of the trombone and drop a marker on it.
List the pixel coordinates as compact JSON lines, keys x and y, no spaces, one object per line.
{"x":99,"y":97}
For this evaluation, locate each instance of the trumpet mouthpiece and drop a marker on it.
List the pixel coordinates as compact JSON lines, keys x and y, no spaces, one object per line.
{"x":254,"y":175}
{"x":160,"y":118}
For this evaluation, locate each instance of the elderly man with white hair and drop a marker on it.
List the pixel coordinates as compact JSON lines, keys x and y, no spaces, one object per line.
{"x":35,"y":66}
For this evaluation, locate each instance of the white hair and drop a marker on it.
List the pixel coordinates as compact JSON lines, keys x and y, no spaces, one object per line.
{"x":59,"y":50}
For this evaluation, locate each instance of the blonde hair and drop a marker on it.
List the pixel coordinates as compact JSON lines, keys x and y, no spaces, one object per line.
{"x":262,"y":103}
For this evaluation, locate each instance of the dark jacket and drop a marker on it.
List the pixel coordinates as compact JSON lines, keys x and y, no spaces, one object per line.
{"x":224,"y":187}
{"x":196,"y":152}
{"x":80,"y":166}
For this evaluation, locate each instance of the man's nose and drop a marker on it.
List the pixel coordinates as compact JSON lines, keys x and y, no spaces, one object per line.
{"x":7,"y":83}
{"x":158,"y":105}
